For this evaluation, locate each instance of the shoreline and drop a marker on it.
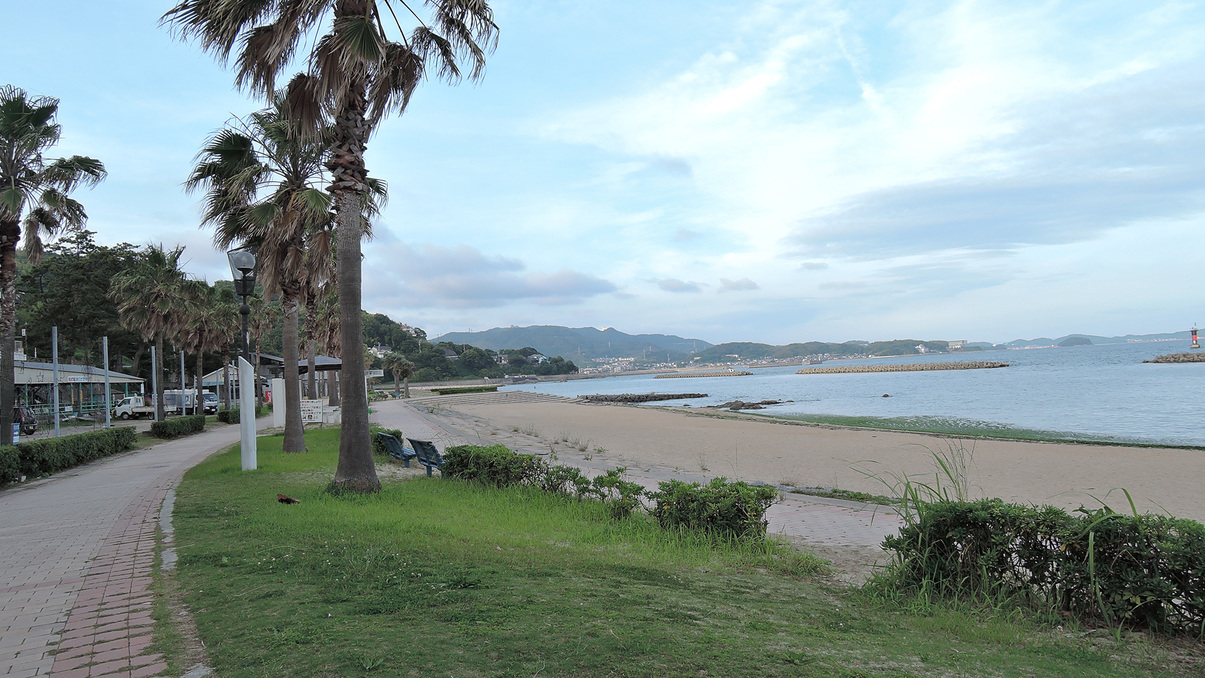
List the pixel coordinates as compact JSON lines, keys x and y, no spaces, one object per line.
{"x":758,"y":448}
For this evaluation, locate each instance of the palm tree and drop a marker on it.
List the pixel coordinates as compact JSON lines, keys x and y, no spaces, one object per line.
{"x":27,"y":128}
{"x":150,"y":297}
{"x":262,"y":186}
{"x":358,"y":73}
{"x":211,"y":325}
{"x":264,"y":317}
{"x":402,"y":370}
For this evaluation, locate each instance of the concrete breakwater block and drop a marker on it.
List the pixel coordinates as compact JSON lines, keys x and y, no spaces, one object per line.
{"x":907,"y":367}
{"x":1179,"y":358}
{"x":685,"y":375}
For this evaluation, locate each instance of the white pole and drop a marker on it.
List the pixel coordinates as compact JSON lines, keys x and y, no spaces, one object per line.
{"x":183,"y":387}
{"x":246,"y":415}
{"x":154,"y":384}
{"x":54,"y":359}
{"x":104,"y":349}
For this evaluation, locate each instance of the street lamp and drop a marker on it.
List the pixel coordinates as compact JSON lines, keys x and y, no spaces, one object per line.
{"x":242,"y":267}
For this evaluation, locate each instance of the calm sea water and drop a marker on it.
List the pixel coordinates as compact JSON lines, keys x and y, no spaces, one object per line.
{"x":1095,"y":391}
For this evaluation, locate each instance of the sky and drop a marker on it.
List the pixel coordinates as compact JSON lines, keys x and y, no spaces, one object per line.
{"x":752,"y":170}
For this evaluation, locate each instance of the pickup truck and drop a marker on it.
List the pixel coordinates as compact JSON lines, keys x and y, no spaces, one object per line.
{"x":133,"y":407}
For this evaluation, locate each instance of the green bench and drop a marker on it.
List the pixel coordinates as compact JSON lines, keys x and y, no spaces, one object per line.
{"x":427,"y":455}
{"x":395,"y":449}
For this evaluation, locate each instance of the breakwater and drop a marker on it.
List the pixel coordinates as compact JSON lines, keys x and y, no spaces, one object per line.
{"x":684,"y":375}
{"x":1179,"y":358}
{"x":638,"y":397}
{"x":897,"y":367}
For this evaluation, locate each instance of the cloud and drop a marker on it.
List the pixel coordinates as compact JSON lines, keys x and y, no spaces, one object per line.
{"x":433,"y":276}
{"x":678,"y":286}
{"x":1077,"y":164}
{"x":742,"y":285}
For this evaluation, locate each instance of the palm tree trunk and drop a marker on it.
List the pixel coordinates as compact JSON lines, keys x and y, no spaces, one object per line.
{"x":311,"y":385}
{"x":334,"y":389}
{"x":355,"y":471}
{"x":294,"y":440}
{"x":10,"y":231}
{"x":406,"y":385}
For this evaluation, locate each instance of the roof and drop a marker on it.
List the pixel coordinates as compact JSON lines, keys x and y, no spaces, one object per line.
{"x":30,"y":372}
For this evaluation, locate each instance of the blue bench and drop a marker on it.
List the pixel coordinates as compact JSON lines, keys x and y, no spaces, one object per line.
{"x":427,"y":455}
{"x":395,"y":449}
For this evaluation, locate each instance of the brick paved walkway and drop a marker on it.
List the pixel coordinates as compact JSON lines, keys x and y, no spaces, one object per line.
{"x":76,"y":552}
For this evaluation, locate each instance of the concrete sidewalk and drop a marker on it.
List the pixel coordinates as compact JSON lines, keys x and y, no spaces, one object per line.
{"x":76,"y":552}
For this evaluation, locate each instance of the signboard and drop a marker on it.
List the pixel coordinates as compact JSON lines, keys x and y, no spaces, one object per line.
{"x":374,"y":374}
{"x":311,"y":411}
{"x":75,"y":380}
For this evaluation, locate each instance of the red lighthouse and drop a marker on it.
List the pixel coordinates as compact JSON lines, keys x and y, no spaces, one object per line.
{"x":1195,"y":342}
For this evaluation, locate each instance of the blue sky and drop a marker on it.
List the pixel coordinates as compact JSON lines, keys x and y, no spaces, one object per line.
{"x":762,"y":170}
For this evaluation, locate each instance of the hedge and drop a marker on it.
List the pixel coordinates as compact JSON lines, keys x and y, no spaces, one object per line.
{"x":1144,"y":571}
{"x":44,"y":457}
{"x":180,"y":426}
{"x":231,"y":416}
{"x":458,"y":390}
{"x":731,"y":509}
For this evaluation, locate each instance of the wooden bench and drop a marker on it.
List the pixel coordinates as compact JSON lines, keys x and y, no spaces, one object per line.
{"x":395,"y":449}
{"x":427,"y":455}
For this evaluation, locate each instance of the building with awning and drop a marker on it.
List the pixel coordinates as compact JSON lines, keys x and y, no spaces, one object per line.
{"x":81,"y":387}
{"x":271,"y":367}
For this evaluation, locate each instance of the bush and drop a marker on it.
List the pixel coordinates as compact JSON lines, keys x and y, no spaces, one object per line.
{"x":458,"y":390}
{"x":1142,"y":570}
{"x":231,"y":416}
{"x":180,"y":426}
{"x":622,"y":497}
{"x":732,"y":509}
{"x":44,"y":457}
{"x":10,"y":464}
{"x":496,"y":465}
{"x":378,"y":446}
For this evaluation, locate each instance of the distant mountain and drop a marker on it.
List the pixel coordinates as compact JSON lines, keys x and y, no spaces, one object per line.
{"x":1094,"y":339}
{"x":581,"y":344}
{"x":742,"y":351}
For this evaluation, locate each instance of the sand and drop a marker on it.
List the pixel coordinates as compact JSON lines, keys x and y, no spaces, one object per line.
{"x":1160,"y":480}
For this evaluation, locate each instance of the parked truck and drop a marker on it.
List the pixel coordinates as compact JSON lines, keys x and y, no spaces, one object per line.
{"x":181,"y":402}
{"x":133,"y":407}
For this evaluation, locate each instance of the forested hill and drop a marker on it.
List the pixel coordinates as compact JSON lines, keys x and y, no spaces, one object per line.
{"x":582,"y":343}
{"x":751,"y":351}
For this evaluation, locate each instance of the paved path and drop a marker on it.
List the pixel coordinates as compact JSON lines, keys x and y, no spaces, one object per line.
{"x":76,"y":552}
{"x":842,"y":530}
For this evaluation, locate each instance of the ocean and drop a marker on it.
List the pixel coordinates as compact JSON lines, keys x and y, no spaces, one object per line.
{"x":1102,"y":392}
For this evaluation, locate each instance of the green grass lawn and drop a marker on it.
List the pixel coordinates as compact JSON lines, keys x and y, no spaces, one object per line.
{"x":435,"y":577}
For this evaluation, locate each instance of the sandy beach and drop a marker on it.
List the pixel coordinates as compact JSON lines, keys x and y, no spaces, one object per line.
{"x":677,"y":441}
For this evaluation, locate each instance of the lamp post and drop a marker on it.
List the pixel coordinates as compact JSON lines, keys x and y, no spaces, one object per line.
{"x":242,"y":267}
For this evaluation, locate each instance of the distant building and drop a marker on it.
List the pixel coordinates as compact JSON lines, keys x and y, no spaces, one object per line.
{"x":958,"y":344}
{"x":380,"y":351}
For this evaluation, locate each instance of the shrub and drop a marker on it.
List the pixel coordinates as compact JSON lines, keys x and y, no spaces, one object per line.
{"x":10,"y":464}
{"x":180,"y":426}
{"x":457,"y":390}
{"x":1137,"y":570}
{"x":231,"y":416}
{"x":622,"y":496}
{"x":495,"y":465}
{"x":378,"y":446}
{"x":44,"y":457}
{"x":734,"y":509}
